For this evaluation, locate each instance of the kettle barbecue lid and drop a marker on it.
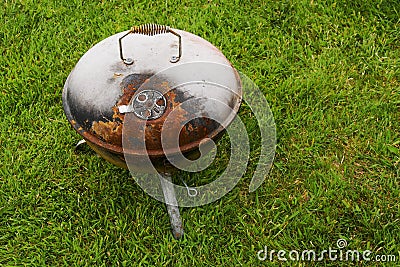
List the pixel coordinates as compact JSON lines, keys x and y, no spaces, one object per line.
{"x":153,"y":77}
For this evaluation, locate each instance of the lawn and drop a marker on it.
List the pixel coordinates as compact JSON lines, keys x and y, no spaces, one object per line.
{"x":330,"y":71}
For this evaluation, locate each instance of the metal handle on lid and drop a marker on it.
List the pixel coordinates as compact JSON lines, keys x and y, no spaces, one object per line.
{"x":150,"y":29}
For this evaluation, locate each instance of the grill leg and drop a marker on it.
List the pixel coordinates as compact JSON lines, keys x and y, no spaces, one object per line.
{"x":172,"y":206}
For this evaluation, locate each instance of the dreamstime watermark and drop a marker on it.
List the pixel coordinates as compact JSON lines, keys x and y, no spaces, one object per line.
{"x":196,"y":93}
{"x":340,"y":253}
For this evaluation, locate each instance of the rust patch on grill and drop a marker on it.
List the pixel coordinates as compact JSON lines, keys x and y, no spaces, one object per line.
{"x":193,"y":131}
{"x":111,"y":130}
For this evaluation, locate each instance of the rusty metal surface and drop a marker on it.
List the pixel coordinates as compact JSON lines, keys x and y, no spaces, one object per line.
{"x":101,"y":82}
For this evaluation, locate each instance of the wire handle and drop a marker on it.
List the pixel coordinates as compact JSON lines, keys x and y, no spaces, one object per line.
{"x":150,"y":30}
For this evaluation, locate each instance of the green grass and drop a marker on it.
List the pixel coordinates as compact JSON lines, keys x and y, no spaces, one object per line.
{"x":331,"y":73}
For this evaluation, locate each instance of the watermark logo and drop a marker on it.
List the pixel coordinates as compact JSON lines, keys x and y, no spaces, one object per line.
{"x":340,"y":253}
{"x":341,"y":243}
{"x":207,"y":94}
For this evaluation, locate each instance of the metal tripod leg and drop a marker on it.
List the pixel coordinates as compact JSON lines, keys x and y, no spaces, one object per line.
{"x":172,"y":206}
